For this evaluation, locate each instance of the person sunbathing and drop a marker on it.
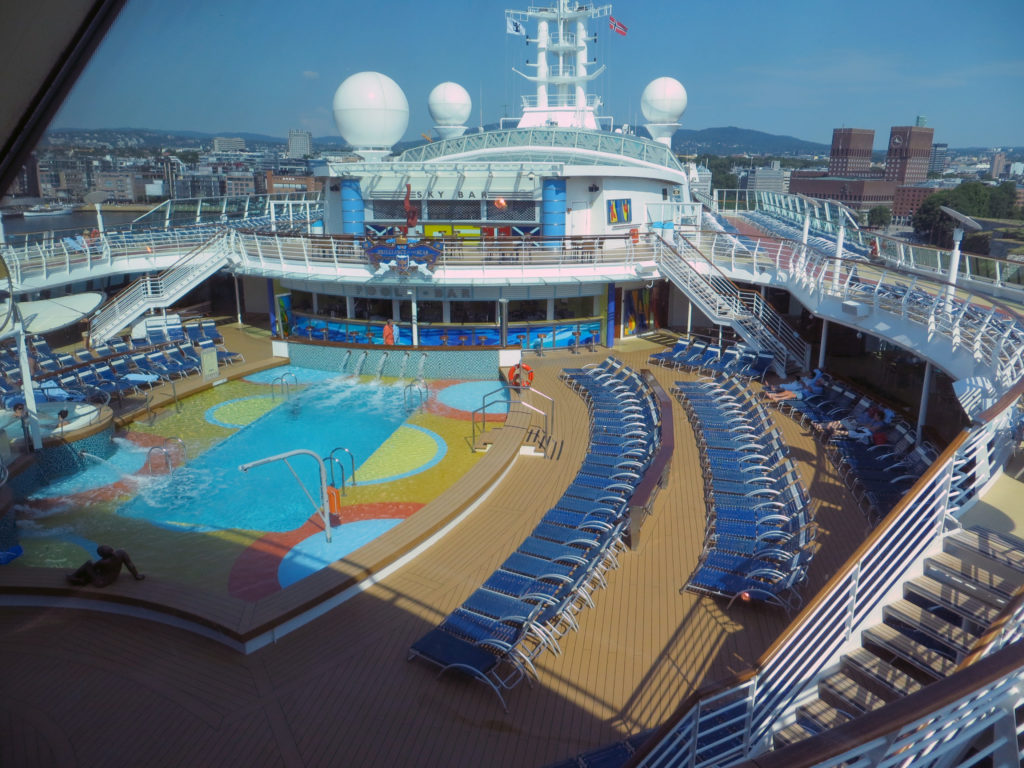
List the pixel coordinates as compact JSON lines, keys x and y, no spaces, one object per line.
{"x":104,"y":571}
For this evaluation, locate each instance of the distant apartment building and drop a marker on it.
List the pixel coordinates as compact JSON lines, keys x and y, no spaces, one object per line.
{"x":199,"y":183}
{"x":277,"y":183}
{"x":997,"y":166}
{"x":938,"y":160}
{"x":239,"y":183}
{"x":772,"y":179}
{"x":300,"y":144}
{"x":228,"y":144}
{"x":65,"y":177}
{"x":910,"y":147}
{"x":851,"y":152}
{"x":26,"y":183}
{"x":120,"y":186}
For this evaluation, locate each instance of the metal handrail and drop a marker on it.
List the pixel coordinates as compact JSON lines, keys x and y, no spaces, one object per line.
{"x":162,"y":451}
{"x":352,"y":459}
{"x":324,"y":508}
{"x":331,"y":461}
{"x":285,"y":388}
{"x":420,"y":388}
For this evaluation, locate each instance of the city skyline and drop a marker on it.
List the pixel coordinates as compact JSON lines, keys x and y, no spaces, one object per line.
{"x":797,"y":69}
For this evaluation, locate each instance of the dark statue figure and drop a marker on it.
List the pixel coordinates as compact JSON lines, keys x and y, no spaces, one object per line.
{"x":104,"y":571}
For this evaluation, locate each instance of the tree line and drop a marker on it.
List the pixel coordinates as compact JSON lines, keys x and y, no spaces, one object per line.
{"x":972,"y":198}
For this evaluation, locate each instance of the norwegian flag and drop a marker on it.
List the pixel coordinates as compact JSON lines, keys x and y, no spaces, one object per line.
{"x":616,"y":26}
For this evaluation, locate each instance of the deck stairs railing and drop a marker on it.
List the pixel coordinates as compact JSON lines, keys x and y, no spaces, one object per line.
{"x":925,"y":635}
{"x":728,"y":722}
{"x":974,"y":331}
{"x":723,"y":302}
{"x":160,"y":291}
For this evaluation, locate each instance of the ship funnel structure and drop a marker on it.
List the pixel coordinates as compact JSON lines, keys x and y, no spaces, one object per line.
{"x":450,"y":107}
{"x":663,"y":103}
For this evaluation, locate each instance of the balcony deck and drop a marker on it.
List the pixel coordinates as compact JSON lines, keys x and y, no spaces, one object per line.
{"x":88,"y":688}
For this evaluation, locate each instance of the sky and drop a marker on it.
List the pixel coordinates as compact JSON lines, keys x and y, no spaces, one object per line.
{"x":791,"y":67}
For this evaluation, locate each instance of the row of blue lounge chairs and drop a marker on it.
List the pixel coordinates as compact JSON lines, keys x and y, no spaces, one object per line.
{"x":879,"y":466}
{"x":531,"y":601}
{"x":760,"y":539}
{"x":707,"y":358}
{"x":118,"y":375}
{"x":48,"y":362}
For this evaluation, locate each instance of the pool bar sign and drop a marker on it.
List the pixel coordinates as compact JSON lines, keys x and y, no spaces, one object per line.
{"x":620,"y":211}
{"x":403,"y":258}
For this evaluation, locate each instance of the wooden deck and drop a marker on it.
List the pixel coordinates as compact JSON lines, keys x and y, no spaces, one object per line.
{"x":82,"y":688}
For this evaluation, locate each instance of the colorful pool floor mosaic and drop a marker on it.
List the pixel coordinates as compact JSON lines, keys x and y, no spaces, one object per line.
{"x":420,"y":459}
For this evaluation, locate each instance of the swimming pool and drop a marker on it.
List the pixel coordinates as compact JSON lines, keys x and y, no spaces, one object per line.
{"x":210,"y":493}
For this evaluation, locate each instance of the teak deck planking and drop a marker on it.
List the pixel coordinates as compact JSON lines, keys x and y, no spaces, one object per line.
{"x":80,"y":688}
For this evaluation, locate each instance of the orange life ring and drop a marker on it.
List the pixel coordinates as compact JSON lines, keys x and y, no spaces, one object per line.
{"x":520,"y":375}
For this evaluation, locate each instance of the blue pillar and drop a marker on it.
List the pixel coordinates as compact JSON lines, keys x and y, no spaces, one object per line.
{"x":552,"y":208}
{"x":609,"y":331}
{"x":351,"y":208}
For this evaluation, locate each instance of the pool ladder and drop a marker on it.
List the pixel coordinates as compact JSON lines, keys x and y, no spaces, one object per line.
{"x":415,"y":391}
{"x":285,"y":389}
{"x":161,"y":450}
{"x":332,"y":460}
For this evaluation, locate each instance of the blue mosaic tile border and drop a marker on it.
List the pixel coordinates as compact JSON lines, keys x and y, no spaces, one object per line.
{"x":55,"y":461}
{"x":471,"y":364}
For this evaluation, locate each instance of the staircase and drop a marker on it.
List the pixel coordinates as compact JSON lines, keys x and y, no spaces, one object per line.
{"x":924,"y":636}
{"x":723,"y":302}
{"x":159,"y":291}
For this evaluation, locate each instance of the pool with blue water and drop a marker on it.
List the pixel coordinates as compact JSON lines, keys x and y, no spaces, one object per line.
{"x":211,"y":493}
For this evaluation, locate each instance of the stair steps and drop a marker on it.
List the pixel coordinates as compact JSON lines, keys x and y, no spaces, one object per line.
{"x":924,"y":635}
{"x":952,"y":599}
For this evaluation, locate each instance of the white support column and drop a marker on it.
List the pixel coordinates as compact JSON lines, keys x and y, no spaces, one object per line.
{"x":926,"y":388}
{"x":238,"y":301}
{"x":396,"y":309}
{"x":954,"y":267}
{"x":446,"y":311}
{"x":549,"y":311}
{"x":689,"y":317}
{"x":350,"y":307}
{"x":838,"y":264}
{"x":99,"y":218}
{"x":824,"y":343}
{"x":27,"y":385}
{"x":415,"y":321}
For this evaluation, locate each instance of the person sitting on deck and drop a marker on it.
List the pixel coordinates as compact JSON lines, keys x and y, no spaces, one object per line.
{"x":799,"y":389}
{"x":104,"y":571}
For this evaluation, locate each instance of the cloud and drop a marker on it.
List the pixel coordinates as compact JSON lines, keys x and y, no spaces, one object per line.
{"x":310,"y":74}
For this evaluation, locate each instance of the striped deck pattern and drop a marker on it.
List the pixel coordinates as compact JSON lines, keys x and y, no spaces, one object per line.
{"x":80,"y":688}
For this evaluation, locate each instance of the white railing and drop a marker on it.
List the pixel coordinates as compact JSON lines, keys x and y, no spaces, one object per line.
{"x":719,"y":298}
{"x":812,"y":641}
{"x":153,"y":292}
{"x":510,"y":257}
{"x":988,"y":334}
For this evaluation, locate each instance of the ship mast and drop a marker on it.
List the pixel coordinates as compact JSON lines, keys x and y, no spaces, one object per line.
{"x":562,"y":66}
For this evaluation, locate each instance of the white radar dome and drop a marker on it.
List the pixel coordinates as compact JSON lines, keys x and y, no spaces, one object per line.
{"x":449,"y":104}
{"x":370,"y":110}
{"x":663,"y":100}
